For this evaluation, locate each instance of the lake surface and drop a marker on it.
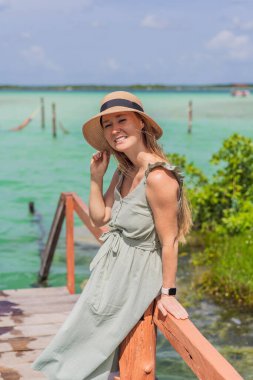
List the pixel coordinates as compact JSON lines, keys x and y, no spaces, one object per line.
{"x":35,"y":167}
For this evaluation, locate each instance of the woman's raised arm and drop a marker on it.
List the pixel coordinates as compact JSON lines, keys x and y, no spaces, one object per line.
{"x":100,"y":205}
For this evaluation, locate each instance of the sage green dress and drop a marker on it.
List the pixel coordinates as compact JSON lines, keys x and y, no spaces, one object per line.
{"x":126,"y":276}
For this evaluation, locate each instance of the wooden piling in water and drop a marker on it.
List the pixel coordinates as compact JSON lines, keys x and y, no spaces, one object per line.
{"x":42,"y":111}
{"x":54,"y":120}
{"x":189,"y":117}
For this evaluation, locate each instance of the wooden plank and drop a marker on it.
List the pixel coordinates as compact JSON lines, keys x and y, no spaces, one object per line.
{"x":203,"y":359}
{"x":67,"y":305}
{"x":34,"y":319}
{"x":24,"y":344}
{"x":28,"y":331}
{"x":20,"y":372}
{"x":12,"y":358}
{"x":33,"y":300}
{"x":27,"y":292}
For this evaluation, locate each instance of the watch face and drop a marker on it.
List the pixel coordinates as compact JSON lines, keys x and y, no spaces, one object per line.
{"x":172,"y":291}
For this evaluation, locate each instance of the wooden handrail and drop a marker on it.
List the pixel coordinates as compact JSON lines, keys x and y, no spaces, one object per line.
{"x":199,"y":354}
{"x":137,"y":351}
{"x":67,"y":204}
{"x":53,"y":237}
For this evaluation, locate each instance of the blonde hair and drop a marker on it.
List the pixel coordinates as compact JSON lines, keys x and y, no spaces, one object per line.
{"x":125,"y":166}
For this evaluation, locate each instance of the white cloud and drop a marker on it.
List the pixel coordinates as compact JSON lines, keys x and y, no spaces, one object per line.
{"x":112,"y":64}
{"x":36,"y":56}
{"x":243,"y":25}
{"x":4,"y":4}
{"x":154,"y":22}
{"x":236,"y":47}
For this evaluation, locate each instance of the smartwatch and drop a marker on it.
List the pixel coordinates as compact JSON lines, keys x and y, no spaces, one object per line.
{"x":169,"y":291}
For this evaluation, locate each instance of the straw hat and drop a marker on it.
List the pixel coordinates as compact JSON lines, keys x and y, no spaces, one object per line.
{"x":117,"y":101}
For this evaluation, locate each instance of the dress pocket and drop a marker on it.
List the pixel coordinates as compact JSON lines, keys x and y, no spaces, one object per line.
{"x":104,"y":296}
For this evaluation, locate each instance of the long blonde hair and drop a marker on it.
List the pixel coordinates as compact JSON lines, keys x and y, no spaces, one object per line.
{"x":125,"y":166}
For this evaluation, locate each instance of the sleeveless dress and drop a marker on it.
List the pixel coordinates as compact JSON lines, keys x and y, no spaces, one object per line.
{"x":126,"y":276}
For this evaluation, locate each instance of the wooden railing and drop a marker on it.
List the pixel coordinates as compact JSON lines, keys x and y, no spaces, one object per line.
{"x":138,"y":350}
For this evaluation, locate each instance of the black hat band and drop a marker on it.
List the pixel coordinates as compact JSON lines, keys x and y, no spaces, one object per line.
{"x":121,"y":103}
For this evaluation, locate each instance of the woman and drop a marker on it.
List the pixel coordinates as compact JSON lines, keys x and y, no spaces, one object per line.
{"x":148,"y":215}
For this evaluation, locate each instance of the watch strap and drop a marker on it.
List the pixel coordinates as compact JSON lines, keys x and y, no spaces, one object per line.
{"x":169,"y":291}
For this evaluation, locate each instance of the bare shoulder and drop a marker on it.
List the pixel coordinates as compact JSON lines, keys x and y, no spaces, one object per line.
{"x":160,"y":177}
{"x":162,"y":186}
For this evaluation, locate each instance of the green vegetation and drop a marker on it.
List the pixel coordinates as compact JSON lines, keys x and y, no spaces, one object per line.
{"x":223,"y":221}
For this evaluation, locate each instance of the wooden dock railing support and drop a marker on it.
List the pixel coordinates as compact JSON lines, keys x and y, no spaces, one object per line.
{"x":53,"y":237}
{"x":137,"y":356}
{"x":137,"y":351}
{"x":70,"y":254}
{"x":67,"y":204}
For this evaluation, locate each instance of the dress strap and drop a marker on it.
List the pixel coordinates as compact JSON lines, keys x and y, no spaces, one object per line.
{"x":172,"y":168}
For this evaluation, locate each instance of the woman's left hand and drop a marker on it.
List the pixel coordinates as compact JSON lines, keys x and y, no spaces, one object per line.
{"x":169,"y":304}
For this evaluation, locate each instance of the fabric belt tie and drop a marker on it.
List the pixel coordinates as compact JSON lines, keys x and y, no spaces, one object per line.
{"x":115,"y":235}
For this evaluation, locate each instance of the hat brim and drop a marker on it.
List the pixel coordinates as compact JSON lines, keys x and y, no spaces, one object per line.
{"x":93,"y":131}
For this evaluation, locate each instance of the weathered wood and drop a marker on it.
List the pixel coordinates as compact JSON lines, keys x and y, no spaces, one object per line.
{"x":24,"y":344}
{"x":33,"y":298}
{"x":15,"y":303}
{"x":28,"y":331}
{"x":54,"y":120}
{"x":189,"y":130}
{"x":53,"y":237}
{"x":34,"y":323}
{"x":12,"y":358}
{"x":16,"y":310}
{"x":70,"y":253}
{"x":33,"y":319}
{"x":137,"y":351}
{"x":42,"y":111}
{"x":20,"y":372}
{"x":203,"y":359}
{"x":83,"y":212}
{"x":34,"y":291}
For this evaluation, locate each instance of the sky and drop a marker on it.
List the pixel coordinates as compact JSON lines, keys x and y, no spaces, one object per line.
{"x":126,"y":42}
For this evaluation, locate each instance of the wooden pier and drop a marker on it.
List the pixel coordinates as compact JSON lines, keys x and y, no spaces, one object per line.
{"x":29,"y":318}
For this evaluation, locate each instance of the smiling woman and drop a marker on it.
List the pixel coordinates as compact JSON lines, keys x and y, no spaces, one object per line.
{"x":120,"y":127}
{"x":148,"y":215}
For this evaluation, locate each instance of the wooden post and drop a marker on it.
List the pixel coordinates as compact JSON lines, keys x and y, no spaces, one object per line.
{"x":53,"y":237}
{"x":42,"y":108}
{"x":137,"y":356}
{"x":190,"y":117}
{"x":70,"y":255}
{"x":53,"y":120}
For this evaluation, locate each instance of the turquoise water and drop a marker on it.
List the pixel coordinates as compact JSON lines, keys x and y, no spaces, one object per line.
{"x":36,"y":167}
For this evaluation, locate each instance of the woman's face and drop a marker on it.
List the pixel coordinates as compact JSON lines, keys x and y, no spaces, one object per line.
{"x":122,"y":130}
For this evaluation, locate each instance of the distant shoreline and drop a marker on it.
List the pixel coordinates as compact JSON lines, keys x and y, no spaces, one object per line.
{"x":137,"y":87}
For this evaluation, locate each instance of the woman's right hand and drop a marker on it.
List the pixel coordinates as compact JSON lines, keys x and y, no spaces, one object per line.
{"x":99,"y":164}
